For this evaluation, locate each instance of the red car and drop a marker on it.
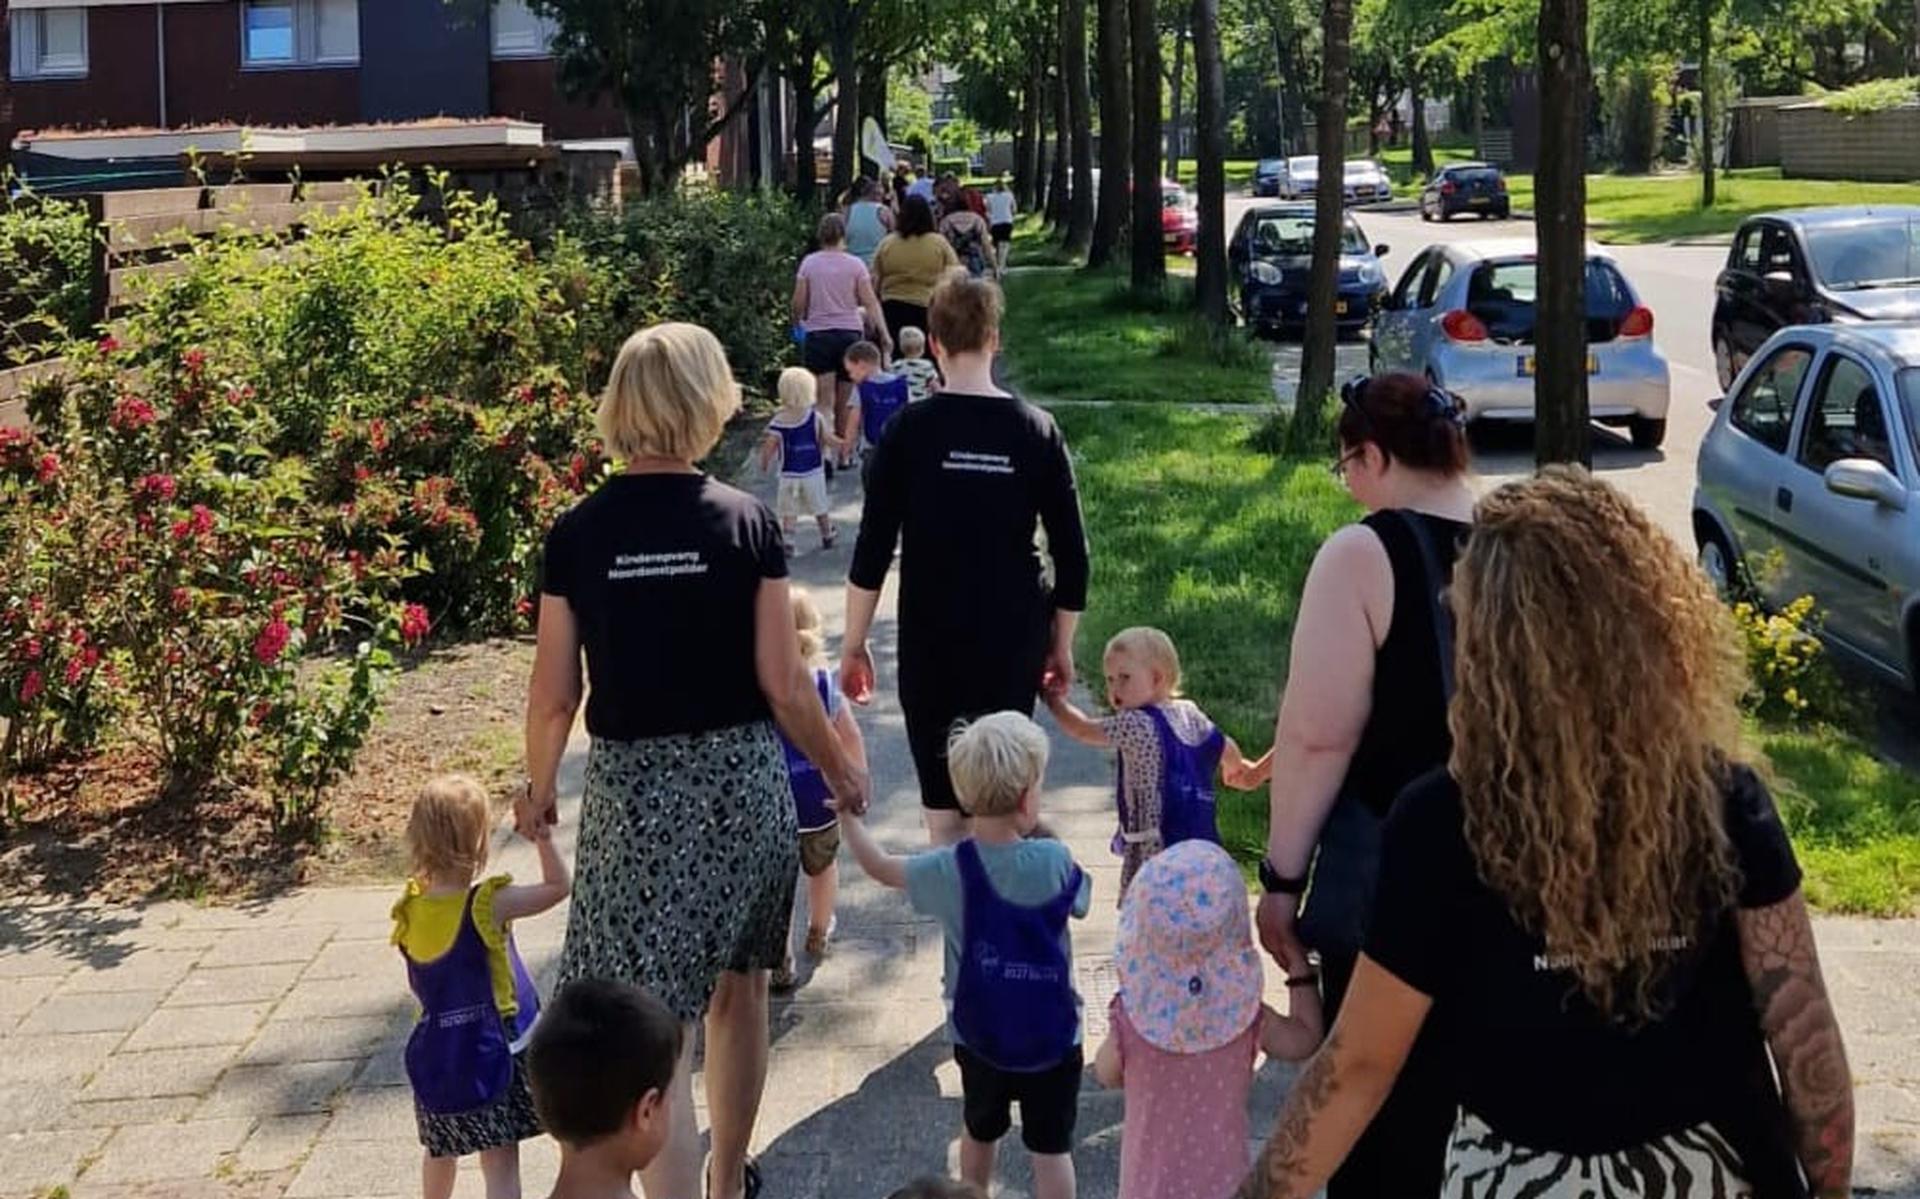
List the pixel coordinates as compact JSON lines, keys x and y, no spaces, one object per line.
{"x":1179,"y":222}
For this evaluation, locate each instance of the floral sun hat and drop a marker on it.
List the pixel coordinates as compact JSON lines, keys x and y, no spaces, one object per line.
{"x":1189,"y":976}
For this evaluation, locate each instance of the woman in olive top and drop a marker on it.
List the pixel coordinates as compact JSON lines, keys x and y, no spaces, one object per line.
{"x":908,"y":266}
{"x":674,"y":587}
{"x":962,"y":482}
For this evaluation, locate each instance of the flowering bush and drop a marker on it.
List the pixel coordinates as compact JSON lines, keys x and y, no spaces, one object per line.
{"x":1792,"y":679}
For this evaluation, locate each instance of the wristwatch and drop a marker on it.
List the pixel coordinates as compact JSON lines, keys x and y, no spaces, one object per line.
{"x":1275,"y":883}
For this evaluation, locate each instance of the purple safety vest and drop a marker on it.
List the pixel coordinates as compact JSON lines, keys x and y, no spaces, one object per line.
{"x":880,"y":401}
{"x":460,"y":1054}
{"x":1013,"y":1002}
{"x":810,"y":790}
{"x":1186,"y":787}
{"x":799,"y":446}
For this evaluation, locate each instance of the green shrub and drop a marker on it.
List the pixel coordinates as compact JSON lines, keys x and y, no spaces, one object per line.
{"x":1875,"y":95}
{"x":1791,"y":677}
{"x":1636,"y":111}
{"x":46,"y":250}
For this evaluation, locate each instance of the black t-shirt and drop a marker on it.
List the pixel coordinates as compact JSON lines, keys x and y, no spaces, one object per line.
{"x":962,"y":482}
{"x":1524,"y":1048}
{"x":662,"y":572}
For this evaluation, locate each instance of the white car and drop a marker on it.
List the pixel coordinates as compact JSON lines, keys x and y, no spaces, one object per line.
{"x":1299,"y":176}
{"x":1463,"y":315}
{"x":1366,"y":182}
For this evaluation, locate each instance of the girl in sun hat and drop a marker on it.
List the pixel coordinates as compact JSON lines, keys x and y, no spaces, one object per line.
{"x":1189,"y":1023}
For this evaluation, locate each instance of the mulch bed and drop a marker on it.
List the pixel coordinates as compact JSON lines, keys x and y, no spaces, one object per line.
{"x":98,"y":827}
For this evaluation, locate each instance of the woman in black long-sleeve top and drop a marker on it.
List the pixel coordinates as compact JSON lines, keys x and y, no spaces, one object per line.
{"x":961,"y":482}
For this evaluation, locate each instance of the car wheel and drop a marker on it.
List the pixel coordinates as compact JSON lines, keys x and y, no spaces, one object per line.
{"x":1445,"y":217}
{"x":1717,"y":562}
{"x":1723,"y":362}
{"x":1647,"y":433}
{"x":1426,"y":214}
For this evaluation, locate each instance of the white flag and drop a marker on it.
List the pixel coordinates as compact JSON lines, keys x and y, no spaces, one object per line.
{"x":873,"y":144}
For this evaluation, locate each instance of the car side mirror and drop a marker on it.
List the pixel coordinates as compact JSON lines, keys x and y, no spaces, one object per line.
{"x":1865,"y":479}
{"x":1381,"y":250}
{"x":1713,"y":405}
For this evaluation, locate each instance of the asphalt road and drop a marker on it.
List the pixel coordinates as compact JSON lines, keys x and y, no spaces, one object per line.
{"x":1675,"y":281}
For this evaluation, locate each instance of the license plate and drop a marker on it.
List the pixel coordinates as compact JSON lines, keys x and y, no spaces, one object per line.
{"x":1339,"y":308}
{"x":1527,"y":368}
{"x":1480,"y":200}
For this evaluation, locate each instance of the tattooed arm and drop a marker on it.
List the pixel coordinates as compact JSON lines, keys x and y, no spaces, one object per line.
{"x":1342,"y":1087}
{"x":1776,"y":947}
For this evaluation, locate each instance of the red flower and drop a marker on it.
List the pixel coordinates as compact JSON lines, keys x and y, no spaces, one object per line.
{"x":199,"y":523}
{"x":91,"y":658}
{"x":156,"y":487}
{"x":377,"y":435}
{"x":31,"y":687}
{"x":131,"y":413}
{"x":523,"y":608}
{"x":78,"y":637}
{"x":75,"y":672}
{"x":415,"y":624}
{"x":260,"y":712}
{"x":194,"y":360}
{"x":272,"y":641}
{"x":49,"y":468}
{"x":182,"y":599}
{"x":33,"y":649}
{"x":109,"y":344}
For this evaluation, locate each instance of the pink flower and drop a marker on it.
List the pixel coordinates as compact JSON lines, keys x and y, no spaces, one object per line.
{"x":33,"y":649}
{"x":415,"y":624}
{"x":131,"y":413}
{"x":75,"y":672}
{"x":31,"y":687}
{"x":156,"y":487}
{"x":49,"y":468}
{"x":523,"y":608}
{"x":272,"y":641}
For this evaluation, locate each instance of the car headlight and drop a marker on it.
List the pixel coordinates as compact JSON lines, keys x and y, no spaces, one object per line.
{"x":1267,"y":273}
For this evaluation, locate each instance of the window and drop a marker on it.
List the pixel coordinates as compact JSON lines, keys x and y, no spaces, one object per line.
{"x":1403,"y":294}
{"x":49,"y":43}
{"x":1845,"y":419}
{"x":1764,"y":411}
{"x":1504,"y":295}
{"x":1746,"y":249}
{"x":1779,"y":252}
{"x":1883,"y":253}
{"x":1438,"y":272}
{"x":518,"y":33}
{"x":277,"y":33}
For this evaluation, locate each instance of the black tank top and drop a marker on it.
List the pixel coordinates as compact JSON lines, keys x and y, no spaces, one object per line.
{"x":1406,"y":734}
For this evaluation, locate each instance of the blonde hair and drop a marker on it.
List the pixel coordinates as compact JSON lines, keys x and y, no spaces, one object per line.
{"x":671,"y":394}
{"x":447,"y":830}
{"x":913,"y":341}
{"x":996,"y":760}
{"x":806,"y":628}
{"x":796,"y":389}
{"x":1592,"y":740}
{"x":1151,"y":647}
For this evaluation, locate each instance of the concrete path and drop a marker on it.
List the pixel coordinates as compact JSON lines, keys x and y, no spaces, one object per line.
{"x":253,"y":1052}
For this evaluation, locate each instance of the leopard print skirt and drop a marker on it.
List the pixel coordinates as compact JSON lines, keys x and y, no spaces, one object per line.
{"x":1694,"y":1164}
{"x":685,"y":864}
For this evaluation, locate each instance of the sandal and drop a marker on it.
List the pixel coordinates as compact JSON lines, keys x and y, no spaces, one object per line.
{"x":783,"y":979}
{"x":817,"y":939}
{"x":750,"y":1191}
{"x":827,"y":539}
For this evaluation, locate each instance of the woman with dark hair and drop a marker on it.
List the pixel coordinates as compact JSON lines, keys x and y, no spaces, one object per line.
{"x":1593,"y":913}
{"x":961,"y":484}
{"x":1365,"y":714}
{"x":909,"y":265}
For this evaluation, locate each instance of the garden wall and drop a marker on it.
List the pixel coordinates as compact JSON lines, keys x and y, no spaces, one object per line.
{"x":1816,"y":143}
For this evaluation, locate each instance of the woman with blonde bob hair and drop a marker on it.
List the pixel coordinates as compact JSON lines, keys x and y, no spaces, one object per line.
{"x":674,"y":588}
{"x":1594,"y":909}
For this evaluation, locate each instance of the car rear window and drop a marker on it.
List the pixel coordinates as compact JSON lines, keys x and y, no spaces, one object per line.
{"x":1882,"y":253}
{"x":1503,"y":295}
{"x":1487,"y":175}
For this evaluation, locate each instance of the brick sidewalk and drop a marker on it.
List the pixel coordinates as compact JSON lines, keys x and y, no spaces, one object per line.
{"x":178,"y":1051}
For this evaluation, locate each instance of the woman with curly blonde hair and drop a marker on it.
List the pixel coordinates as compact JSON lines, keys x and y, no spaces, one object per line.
{"x":1594,"y":910}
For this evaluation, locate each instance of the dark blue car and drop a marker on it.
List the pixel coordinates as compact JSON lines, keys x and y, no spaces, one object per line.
{"x":1271,"y":254}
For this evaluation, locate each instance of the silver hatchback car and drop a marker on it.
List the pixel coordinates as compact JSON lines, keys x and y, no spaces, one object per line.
{"x":1463,"y":315}
{"x":1806,"y":485}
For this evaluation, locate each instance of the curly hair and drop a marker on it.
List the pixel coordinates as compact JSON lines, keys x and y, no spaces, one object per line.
{"x":1594,"y":722}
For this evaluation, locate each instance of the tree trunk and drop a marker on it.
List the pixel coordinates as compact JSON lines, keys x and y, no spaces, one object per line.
{"x":1210,"y":250}
{"x":1149,"y":247}
{"x":1705,"y":29}
{"x":1320,"y":343}
{"x":1476,"y":105}
{"x":1280,"y":88}
{"x":1032,"y":192}
{"x":1116,"y":133}
{"x":804,"y":179}
{"x":1179,"y":73}
{"x":873,"y":99}
{"x":1561,"y":429}
{"x":846,"y":106}
{"x":1073,"y":51}
{"x":1422,"y":141}
{"x":1060,"y":164}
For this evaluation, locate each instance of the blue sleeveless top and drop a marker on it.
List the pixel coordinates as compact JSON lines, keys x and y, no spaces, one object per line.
{"x":810,"y":790}
{"x":881,"y":399}
{"x":864,"y":230}
{"x":1013,"y":1002}
{"x":799,"y":446}
{"x":459,"y":1056}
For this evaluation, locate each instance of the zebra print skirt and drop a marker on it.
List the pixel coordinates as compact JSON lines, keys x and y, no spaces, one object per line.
{"x":1694,"y":1164}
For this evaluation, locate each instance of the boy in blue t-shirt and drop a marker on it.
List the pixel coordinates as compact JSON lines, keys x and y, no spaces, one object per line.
{"x":879,"y":393}
{"x":1002,"y":897}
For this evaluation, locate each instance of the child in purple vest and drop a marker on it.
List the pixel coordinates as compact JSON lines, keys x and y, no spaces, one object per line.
{"x":882,"y":393}
{"x":465,"y":1056}
{"x":1168,"y":749}
{"x":1002,"y":898}
{"x":819,"y":827}
{"x":799,"y":441}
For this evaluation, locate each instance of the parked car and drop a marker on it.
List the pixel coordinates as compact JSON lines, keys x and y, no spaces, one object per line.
{"x":1299,"y":176}
{"x":1805,"y":485}
{"x":1812,"y":266}
{"x":1270,"y":255}
{"x":1466,"y":187}
{"x":1366,"y":182}
{"x":1266,"y":176}
{"x":1463,"y":314}
{"x":1179,"y":217}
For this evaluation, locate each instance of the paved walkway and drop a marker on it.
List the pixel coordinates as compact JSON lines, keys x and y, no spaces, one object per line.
{"x":180,"y":1051}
